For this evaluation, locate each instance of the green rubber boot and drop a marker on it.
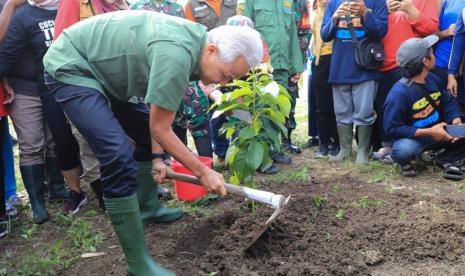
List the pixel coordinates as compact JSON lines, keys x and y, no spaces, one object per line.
{"x":363,"y":147}
{"x":149,"y":204}
{"x":346,"y":133}
{"x":125,"y":218}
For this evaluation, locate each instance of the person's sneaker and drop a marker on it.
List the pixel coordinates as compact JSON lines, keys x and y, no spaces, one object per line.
{"x":333,"y":150}
{"x":322,"y":151}
{"x":271,"y":170}
{"x":11,"y":211}
{"x":292,"y":148}
{"x":381,"y":153}
{"x":164,"y":193}
{"x":280,"y":158}
{"x":312,"y":142}
{"x":14,"y":200}
{"x":75,"y":202}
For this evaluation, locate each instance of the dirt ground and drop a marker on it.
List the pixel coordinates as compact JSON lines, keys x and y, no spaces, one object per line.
{"x":340,"y":221}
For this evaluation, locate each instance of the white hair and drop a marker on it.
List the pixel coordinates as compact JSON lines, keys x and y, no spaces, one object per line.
{"x":237,"y":41}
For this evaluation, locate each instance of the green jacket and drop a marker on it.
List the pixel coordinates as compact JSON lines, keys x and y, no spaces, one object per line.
{"x":274,"y":19}
{"x":130,"y":54}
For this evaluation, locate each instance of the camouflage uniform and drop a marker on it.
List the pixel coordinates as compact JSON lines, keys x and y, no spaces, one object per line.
{"x":193,"y":111}
{"x":164,"y":6}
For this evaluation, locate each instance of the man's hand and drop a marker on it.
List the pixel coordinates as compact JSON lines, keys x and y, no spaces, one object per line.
{"x":296,"y":77}
{"x":159,"y":170}
{"x":213,"y":182}
{"x":358,"y":7}
{"x":438,"y":133}
{"x":452,"y":85}
{"x":342,"y":10}
{"x":9,"y":92}
{"x":392,"y":5}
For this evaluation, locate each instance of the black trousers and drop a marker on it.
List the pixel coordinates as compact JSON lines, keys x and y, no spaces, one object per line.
{"x":66,"y":146}
{"x":326,"y":119}
{"x":388,"y":79}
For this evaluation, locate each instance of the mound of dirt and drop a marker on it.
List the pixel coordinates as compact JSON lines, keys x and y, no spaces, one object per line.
{"x":378,"y":232}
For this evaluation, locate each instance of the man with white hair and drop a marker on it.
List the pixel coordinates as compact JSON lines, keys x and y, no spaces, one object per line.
{"x":114,"y":58}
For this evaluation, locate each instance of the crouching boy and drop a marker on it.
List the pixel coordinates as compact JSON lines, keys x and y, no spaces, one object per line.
{"x":418,"y":108}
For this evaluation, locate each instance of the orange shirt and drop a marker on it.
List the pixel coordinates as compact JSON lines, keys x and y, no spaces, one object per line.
{"x":401,"y":28}
{"x":214,"y":4}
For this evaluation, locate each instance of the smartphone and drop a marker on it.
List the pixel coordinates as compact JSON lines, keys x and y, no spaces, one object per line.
{"x":456,"y":130}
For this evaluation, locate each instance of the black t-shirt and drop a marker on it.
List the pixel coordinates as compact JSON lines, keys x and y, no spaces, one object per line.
{"x":29,"y":35}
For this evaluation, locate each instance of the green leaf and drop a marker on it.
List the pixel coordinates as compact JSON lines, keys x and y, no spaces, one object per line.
{"x":284,"y":104}
{"x":230,"y":132}
{"x":278,"y":124}
{"x":246,"y":133}
{"x":239,"y":165}
{"x":230,"y":154}
{"x":255,"y":155}
{"x":234,"y":179}
{"x":245,"y":91}
{"x":267,"y":162}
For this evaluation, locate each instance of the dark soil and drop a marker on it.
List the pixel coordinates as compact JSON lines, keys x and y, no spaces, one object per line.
{"x":398,"y":233}
{"x":404,"y":229}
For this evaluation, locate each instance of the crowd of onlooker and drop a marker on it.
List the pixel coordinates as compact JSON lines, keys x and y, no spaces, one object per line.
{"x":387,"y":73}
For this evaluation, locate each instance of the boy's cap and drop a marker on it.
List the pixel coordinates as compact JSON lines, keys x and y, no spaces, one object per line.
{"x":414,"y":49}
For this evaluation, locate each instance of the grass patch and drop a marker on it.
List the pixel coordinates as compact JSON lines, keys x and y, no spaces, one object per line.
{"x":50,"y":258}
{"x":300,"y":174}
{"x":365,"y":202}
{"x":200,"y":206}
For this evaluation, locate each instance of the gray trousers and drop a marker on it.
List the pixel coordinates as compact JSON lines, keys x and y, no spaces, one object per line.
{"x":353,"y":103}
{"x":90,"y":164}
{"x":34,"y":138}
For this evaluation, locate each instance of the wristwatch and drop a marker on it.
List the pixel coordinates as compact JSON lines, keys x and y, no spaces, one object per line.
{"x":159,"y":155}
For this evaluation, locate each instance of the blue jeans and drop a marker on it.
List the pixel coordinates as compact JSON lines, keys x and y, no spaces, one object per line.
{"x":405,"y":150}
{"x":106,"y":130}
{"x":219,"y":142}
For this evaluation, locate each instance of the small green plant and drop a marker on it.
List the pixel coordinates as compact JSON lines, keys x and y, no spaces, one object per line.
{"x":329,"y":237}
{"x":402,"y":215}
{"x":389,"y":189}
{"x":337,"y":189}
{"x":319,"y":202}
{"x":365,"y":202}
{"x":211,"y":273}
{"x":253,"y":140}
{"x":29,"y":232}
{"x":340,"y":215}
{"x":436,"y":208}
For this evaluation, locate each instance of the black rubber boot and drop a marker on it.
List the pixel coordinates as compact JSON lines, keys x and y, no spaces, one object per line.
{"x":288,"y":145}
{"x":127,"y":223}
{"x":97,"y":188}
{"x":33,"y":179}
{"x":55,"y":180}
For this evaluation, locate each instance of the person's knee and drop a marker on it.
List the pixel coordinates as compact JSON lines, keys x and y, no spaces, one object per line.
{"x":405,"y":150}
